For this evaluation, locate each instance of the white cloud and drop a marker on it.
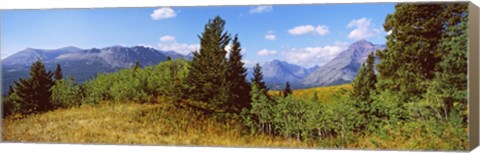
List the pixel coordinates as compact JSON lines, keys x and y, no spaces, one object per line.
{"x":178,"y":47}
{"x":322,"y":30}
{"x":270,"y":36}
{"x":311,"y":56}
{"x":261,"y":9}
{"x":266,"y":52}
{"x":167,"y":38}
{"x":309,"y":29}
{"x":363,"y":29}
{"x":163,"y":13}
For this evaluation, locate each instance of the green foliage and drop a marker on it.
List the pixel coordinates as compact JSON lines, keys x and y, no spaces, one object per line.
{"x":11,"y":104}
{"x":66,"y":93}
{"x":365,"y":81}
{"x":140,"y":85}
{"x":448,"y":90}
{"x":387,"y":108}
{"x":412,"y":51}
{"x":302,"y":119}
{"x":259,"y":118}
{"x":364,"y":88}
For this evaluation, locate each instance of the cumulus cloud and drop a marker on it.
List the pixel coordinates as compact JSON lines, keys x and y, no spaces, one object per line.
{"x":270,"y":36}
{"x":309,"y":29}
{"x":163,"y":13}
{"x":167,"y":38}
{"x":311,"y":56}
{"x":261,"y":9}
{"x":363,"y":28}
{"x":266,"y":52}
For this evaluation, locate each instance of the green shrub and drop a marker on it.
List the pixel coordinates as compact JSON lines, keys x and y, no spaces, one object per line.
{"x":66,"y":93}
{"x":11,"y":104}
{"x":140,"y":84}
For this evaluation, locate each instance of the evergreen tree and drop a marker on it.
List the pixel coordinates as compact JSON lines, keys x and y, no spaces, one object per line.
{"x":412,"y":51}
{"x":137,"y":66}
{"x":10,"y":90}
{"x":240,"y":89}
{"x":364,"y":83}
{"x":169,"y":58}
{"x":208,"y":72}
{"x":258,"y":78}
{"x":35,"y":92}
{"x":449,"y":88}
{"x":363,"y":88}
{"x":287,"y":91}
{"x":58,"y":73}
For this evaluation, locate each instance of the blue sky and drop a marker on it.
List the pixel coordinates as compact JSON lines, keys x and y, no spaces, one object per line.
{"x":306,"y":35}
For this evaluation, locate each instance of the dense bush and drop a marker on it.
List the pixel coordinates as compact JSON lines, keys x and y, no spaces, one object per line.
{"x":139,"y":84}
{"x":11,"y":104}
{"x":66,"y":93}
{"x":302,"y":119}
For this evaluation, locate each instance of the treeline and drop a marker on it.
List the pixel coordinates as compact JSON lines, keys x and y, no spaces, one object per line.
{"x":416,"y":94}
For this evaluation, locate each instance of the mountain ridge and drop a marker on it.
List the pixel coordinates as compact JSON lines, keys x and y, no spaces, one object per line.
{"x":344,"y":67}
{"x":84,"y":64}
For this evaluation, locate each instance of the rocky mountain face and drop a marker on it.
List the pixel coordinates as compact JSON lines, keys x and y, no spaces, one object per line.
{"x":344,"y":67}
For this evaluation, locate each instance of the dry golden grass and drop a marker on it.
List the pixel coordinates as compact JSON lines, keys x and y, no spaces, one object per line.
{"x":133,"y":123}
{"x":325,"y":94}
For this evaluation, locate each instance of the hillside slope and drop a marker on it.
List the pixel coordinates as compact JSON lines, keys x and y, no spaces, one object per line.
{"x":134,"y":123}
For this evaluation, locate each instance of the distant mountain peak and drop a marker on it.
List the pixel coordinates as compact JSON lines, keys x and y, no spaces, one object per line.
{"x":71,"y":48}
{"x":344,"y":67}
{"x":362,"y":41}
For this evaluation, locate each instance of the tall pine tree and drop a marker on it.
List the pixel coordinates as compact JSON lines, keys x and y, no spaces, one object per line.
{"x":364,"y":83}
{"x":35,"y":92}
{"x":240,"y":88}
{"x":58,"y":73}
{"x":258,"y":78}
{"x":208,"y":72}
{"x":364,"y":87}
{"x":288,"y":90}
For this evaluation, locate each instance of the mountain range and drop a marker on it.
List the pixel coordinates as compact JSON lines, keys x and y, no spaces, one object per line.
{"x":84,"y":64}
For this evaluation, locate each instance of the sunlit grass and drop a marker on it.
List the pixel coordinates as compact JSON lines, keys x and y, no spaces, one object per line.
{"x":324,"y":94}
{"x":134,"y":123}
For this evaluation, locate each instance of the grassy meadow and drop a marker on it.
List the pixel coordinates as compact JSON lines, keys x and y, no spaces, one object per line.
{"x":161,"y":123}
{"x":133,"y":123}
